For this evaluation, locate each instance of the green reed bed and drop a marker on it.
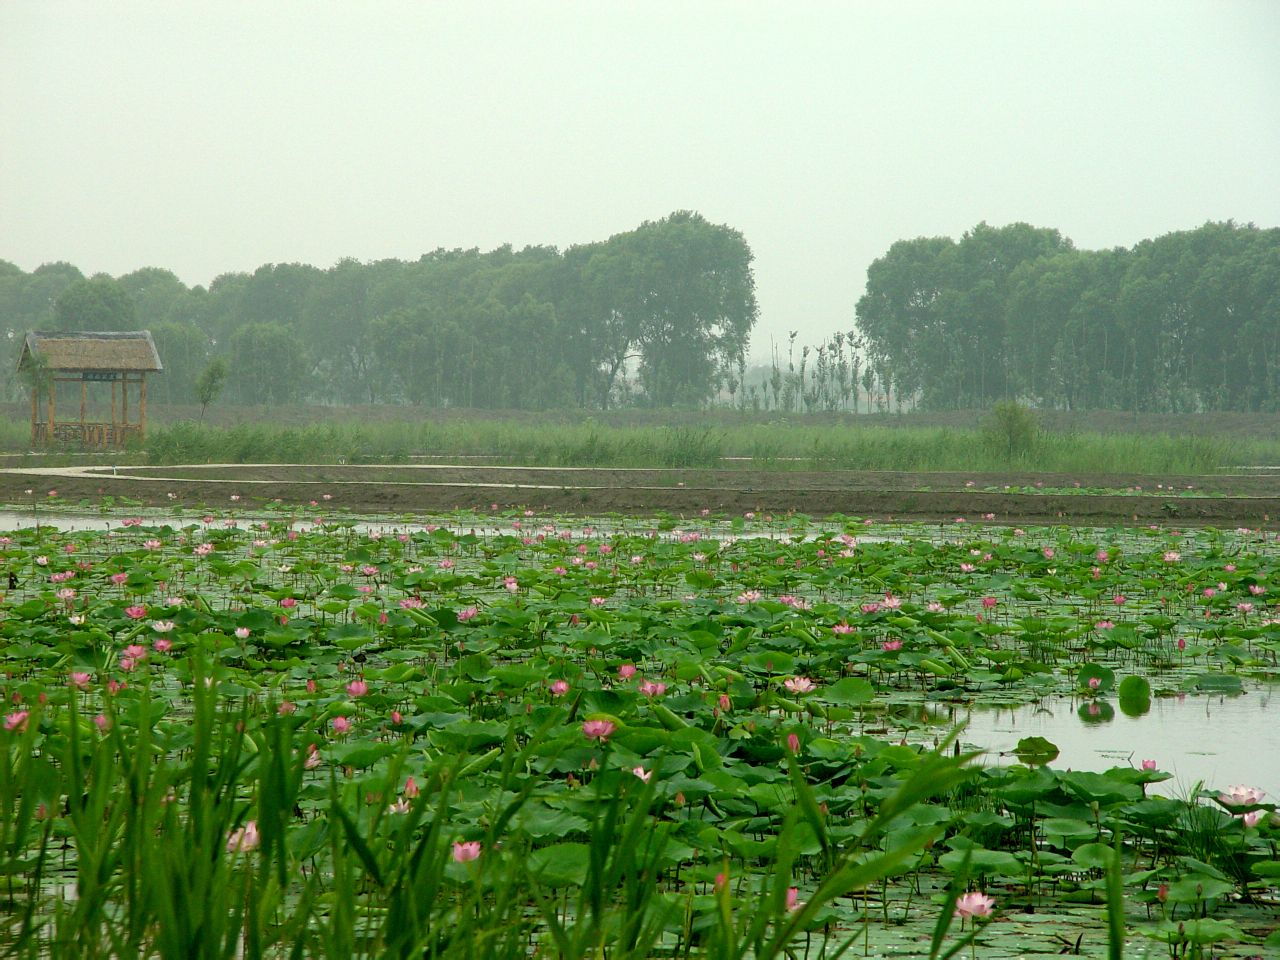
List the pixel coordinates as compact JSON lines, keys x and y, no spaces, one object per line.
{"x":794,"y":445}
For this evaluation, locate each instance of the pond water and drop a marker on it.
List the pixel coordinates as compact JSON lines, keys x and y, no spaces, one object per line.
{"x":1215,"y":739}
{"x":77,"y":522}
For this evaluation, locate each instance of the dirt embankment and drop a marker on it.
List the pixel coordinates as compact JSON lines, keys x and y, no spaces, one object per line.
{"x":1229,"y":501}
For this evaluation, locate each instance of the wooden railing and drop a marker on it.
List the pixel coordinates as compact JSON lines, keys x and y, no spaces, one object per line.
{"x":88,"y":435}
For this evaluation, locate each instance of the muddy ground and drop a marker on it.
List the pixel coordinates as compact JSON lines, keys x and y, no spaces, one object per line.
{"x":1227,"y":501}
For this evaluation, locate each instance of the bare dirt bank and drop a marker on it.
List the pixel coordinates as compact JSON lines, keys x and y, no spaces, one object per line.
{"x":1229,"y":501}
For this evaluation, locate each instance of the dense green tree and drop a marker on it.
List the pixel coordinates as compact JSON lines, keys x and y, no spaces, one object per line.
{"x":99,"y":303}
{"x":1186,"y":321}
{"x":184,"y":351}
{"x":268,"y":365}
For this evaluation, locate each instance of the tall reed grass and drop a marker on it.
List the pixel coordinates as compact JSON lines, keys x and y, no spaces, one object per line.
{"x":794,"y":444}
{"x":760,"y":446}
{"x":212,"y":838}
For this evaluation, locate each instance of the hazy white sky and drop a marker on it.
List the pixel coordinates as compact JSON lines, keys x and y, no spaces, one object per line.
{"x":216,"y":136}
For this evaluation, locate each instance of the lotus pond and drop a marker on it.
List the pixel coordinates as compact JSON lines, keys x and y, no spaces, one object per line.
{"x":507,"y":734}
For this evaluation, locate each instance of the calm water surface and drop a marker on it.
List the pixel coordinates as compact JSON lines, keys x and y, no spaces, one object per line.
{"x":1214,"y":739}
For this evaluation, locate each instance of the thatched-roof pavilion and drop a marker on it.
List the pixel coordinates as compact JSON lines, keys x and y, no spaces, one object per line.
{"x":120,"y":358}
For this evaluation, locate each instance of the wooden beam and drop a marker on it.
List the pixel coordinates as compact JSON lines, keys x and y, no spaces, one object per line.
{"x":53,"y":407}
{"x":142,"y":408}
{"x":114,"y":431}
{"x":35,"y":409}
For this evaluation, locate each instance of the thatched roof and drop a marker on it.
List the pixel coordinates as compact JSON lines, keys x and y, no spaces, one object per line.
{"x":131,"y":350}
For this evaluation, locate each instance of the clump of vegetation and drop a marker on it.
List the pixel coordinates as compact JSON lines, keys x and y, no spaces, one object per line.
{"x":1011,"y":430}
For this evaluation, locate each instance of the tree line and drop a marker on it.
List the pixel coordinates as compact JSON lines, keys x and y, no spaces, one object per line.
{"x":656,"y":316}
{"x":661,"y":316}
{"x":1189,"y":321}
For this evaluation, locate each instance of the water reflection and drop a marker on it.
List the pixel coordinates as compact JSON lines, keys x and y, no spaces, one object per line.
{"x":1214,"y":739}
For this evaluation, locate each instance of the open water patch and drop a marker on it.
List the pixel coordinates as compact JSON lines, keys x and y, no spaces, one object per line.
{"x":1214,"y":740}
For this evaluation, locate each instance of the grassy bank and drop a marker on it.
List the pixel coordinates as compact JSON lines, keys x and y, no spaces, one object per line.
{"x":683,"y":440}
{"x":775,"y":446}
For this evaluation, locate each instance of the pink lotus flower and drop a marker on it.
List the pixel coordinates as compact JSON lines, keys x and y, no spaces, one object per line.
{"x":411,"y":788}
{"x":242,"y":633}
{"x":466,"y":613}
{"x":135,"y":612}
{"x":842,"y":629}
{"x":559,"y":688}
{"x":80,"y":680}
{"x":102,"y":722}
{"x":651,"y":689}
{"x":793,"y":899}
{"x":162,"y":645}
{"x":243,"y":839}
{"x":1148,"y":765}
{"x":466,"y":852}
{"x":626,"y":671}
{"x":357,"y":688}
{"x":1238,"y":795}
{"x":891,"y":645}
{"x":119,"y":578}
{"x":974,"y":904}
{"x":1095,"y":682}
{"x":341,"y":725}
{"x":793,"y":743}
{"x":800,"y":685}
{"x":724,"y":702}
{"x":600,"y":730}
{"x":16,"y":721}
{"x":288,"y":603}
{"x":642,"y":773}
{"x":989,"y":603}
{"x":162,"y":626}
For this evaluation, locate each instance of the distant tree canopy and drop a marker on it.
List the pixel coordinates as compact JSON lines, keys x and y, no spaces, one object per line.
{"x":661,"y":316}
{"x":1189,"y":321}
{"x":672,"y":303}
